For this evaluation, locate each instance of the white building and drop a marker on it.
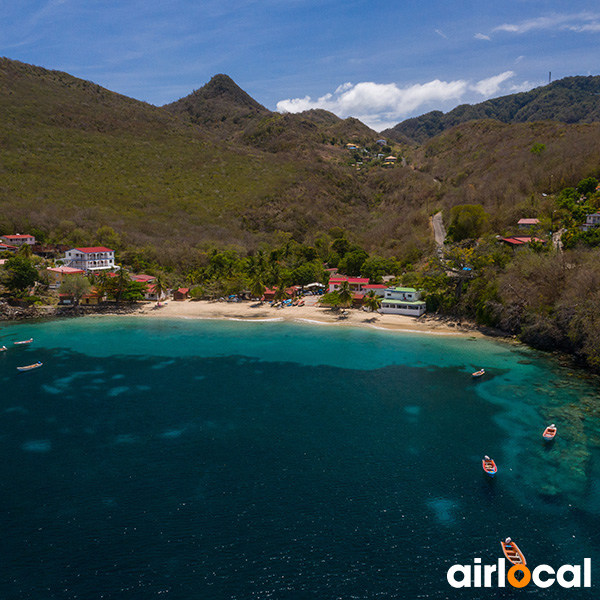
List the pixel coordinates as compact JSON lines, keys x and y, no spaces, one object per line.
{"x":402,"y":301}
{"x":18,"y":239}
{"x":97,"y":258}
{"x":591,"y":222}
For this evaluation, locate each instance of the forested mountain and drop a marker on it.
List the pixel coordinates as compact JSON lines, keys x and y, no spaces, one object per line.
{"x":75,"y":157}
{"x":217,"y":169}
{"x":569,"y":100}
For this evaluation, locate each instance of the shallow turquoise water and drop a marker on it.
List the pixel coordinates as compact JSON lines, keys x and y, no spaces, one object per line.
{"x":211,"y":459}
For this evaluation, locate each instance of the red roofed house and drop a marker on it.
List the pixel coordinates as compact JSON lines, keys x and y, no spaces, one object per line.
{"x":7,"y":248}
{"x":356,"y":283}
{"x":56,"y":275}
{"x":97,"y":258}
{"x":270,"y":293}
{"x":378,"y":288}
{"x":521,"y":240}
{"x":19,"y":239}
{"x":152,"y":295}
{"x":527,"y":223}
{"x":181,"y":294}
{"x":143,"y":278}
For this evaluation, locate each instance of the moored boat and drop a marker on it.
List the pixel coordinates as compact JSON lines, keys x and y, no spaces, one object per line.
{"x":549,"y":432}
{"x":3,"y":349}
{"x":24,"y":342}
{"x":489,"y":466}
{"x":512,"y":552}
{"x":36,"y":365}
{"x":479,"y":373}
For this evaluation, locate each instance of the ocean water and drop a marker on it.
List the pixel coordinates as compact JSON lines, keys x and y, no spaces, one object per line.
{"x":218,"y":460}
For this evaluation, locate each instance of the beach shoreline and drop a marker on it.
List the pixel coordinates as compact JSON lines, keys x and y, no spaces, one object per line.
{"x":309,"y":314}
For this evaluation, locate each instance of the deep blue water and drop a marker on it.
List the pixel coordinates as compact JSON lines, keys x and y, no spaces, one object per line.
{"x":217,"y":460}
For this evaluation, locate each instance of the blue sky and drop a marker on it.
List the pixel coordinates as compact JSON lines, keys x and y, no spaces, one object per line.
{"x":381,"y":62}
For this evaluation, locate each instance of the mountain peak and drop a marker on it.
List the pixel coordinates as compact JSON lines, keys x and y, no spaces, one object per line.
{"x":219,"y":104}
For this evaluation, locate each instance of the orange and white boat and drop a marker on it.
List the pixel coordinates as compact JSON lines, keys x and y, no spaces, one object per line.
{"x":24,"y":342}
{"x":549,"y":432}
{"x":36,"y":365}
{"x":479,"y":373}
{"x":512,"y":552}
{"x":489,"y":466}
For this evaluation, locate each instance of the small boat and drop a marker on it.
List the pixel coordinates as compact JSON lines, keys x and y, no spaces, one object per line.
{"x":3,"y":349}
{"x":489,"y":466}
{"x":36,"y":365}
{"x":549,"y":432}
{"x":512,"y":552}
{"x":24,"y":342}
{"x":479,"y":373}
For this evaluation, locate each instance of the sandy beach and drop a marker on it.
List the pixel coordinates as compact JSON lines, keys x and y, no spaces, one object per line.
{"x":309,"y":313}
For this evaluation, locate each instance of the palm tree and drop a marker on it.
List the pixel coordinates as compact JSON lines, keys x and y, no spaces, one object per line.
{"x":160,"y":288}
{"x":121,"y":282}
{"x":257,"y":288}
{"x":372,"y":301}
{"x":345,"y":294}
{"x":280,"y":292}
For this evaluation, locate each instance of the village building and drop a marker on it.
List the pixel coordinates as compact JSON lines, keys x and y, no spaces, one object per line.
{"x":521,"y":240}
{"x":7,"y":248}
{"x":153,"y":296}
{"x":591,"y":222}
{"x":356,"y":283}
{"x":181,"y":294}
{"x":402,"y":301}
{"x":528,"y":223}
{"x":97,"y":258}
{"x":56,"y":275}
{"x":18,"y":239}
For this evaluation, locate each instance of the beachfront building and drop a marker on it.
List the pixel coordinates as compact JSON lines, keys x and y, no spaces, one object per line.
{"x":356,"y":283}
{"x":56,"y":275}
{"x":153,"y":296}
{"x":402,"y":301}
{"x":181,"y":294}
{"x":18,"y":239}
{"x":97,"y":258}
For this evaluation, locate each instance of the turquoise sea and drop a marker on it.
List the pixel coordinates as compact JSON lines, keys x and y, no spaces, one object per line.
{"x":218,"y":460}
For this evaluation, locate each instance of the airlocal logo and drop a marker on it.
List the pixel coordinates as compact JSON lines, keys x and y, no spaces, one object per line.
{"x":478,"y":575}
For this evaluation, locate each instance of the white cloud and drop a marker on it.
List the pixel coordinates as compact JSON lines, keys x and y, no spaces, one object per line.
{"x":491,"y":85}
{"x":481,"y":36}
{"x":581,"y":22}
{"x":381,"y":105}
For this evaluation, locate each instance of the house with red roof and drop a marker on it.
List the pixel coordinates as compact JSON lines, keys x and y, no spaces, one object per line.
{"x":56,"y":275}
{"x":152,"y":295}
{"x":90,"y":259}
{"x":356,"y":283}
{"x":18,"y":239}
{"x":181,"y":294}
{"x":7,"y":248}
{"x":528,"y":223}
{"x":521,"y":240}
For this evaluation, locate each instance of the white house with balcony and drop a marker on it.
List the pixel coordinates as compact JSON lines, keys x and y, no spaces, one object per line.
{"x":591,"y":222}
{"x":19,"y":239}
{"x":97,"y":258}
{"x":402,"y":301}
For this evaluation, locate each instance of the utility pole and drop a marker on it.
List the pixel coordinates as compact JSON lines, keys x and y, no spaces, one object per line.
{"x":550,"y":77}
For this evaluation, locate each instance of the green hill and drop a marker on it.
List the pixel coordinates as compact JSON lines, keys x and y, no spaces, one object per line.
{"x":217,"y":169}
{"x":75,"y":157}
{"x":569,"y":100}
